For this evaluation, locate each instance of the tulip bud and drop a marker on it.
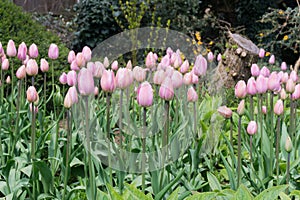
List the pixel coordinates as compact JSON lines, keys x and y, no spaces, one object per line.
{"x":108,"y":81}
{"x":187,"y":78}
{"x":273,"y":82}
{"x":99,"y":69}
{"x":219,"y":57}
{"x":264,"y":110}
{"x":272,"y":59}
{"x":294,"y":76}
{"x":71,"y":78}
{"x":33,"y":51}
{"x":252,"y":128}
{"x":192,"y":95}
{"x":284,"y":77}
{"x":106,"y":62}
{"x":195,"y":78}
{"x":5,"y":64}
{"x":53,"y":51}
{"x":251,"y":86}
{"x":261,"y":84}
{"x":177,"y":61}
{"x":80,"y":60}
{"x":8,"y":80}
{"x":261,"y":53}
{"x":278,"y":108}
{"x":288,"y":145}
{"x":296,"y":93}
{"x":115,"y":65}
{"x":265,"y":71}
{"x":63,"y":79}
{"x":290,"y":86}
{"x":145,"y":94}
{"x":22,"y":51}
{"x":21,"y":72}
{"x":159,"y":77}
{"x":74,"y":66}
{"x":67,"y":101}
{"x":169,"y":51}
{"x":165,"y":61}
{"x":74,"y":95}
{"x":139,"y":74}
{"x":58,"y":98}
{"x":200,"y":66}
{"x":177,"y":79}
{"x":36,"y":108}
{"x":166,"y":90}
{"x":129,"y":65}
{"x":96,"y":91}
{"x":283,"y":94}
{"x":44,"y":65}
{"x":87,"y":53}
{"x":225,"y":111}
{"x":85,"y":82}
{"x":150,"y":60}
{"x":32,"y":67}
{"x":11,"y":50}
{"x":123,"y":78}
{"x":255,"y":70}
{"x":210,"y":56}
{"x":283,"y":66}
{"x":185,"y":66}
{"x":240,"y":89}
{"x":241,"y":107}
{"x":1,"y":49}
{"x":32,"y":95}
{"x":91,"y":66}
{"x":71,"y":56}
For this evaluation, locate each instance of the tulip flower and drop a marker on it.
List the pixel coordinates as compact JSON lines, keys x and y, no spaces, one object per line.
{"x":5,"y":64}
{"x":283,"y":66}
{"x":96,"y":91}
{"x":261,"y":84}
{"x":177,"y":79}
{"x":32,"y":67}
{"x":1,"y":49}
{"x":210,"y":56}
{"x":273,"y":82}
{"x":63,"y":79}
{"x":139,"y":74}
{"x":106,"y":62}
{"x":241,"y":107}
{"x":261,"y":53}
{"x":252,"y":128}
{"x":225,"y":111}
{"x":74,"y":66}
{"x":11,"y":50}
{"x":290,"y":86}
{"x":67,"y":101}
{"x":91,"y":66}
{"x":114,"y":65}
{"x":166,"y":90}
{"x":192,"y":95}
{"x":169,"y":71}
{"x":187,"y":78}
{"x":33,"y":51}
{"x":294,"y":76}
{"x":288,"y":144}
{"x":264,"y":110}
{"x":8,"y":80}
{"x":177,"y":61}
{"x":195,"y":78}
{"x":32,"y":95}
{"x":123,"y":78}
{"x":74,"y":95}
{"x":169,"y":51}
{"x":272,"y":59}
{"x":87,"y":53}
{"x":99,"y":69}
{"x":265,"y":71}
{"x":129,"y":65}
{"x":200,"y":66}
{"x":85,"y":82}
{"x":251,"y":86}
{"x":44,"y":65}
{"x":53,"y":51}
{"x":150,"y":60}
{"x":283,"y":94}
{"x":36,"y":108}
{"x":296,"y":93}
{"x":80,"y":60}
{"x":22,"y":51}
{"x":240,"y":89}
{"x":159,"y":77}
{"x":284,"y":77}
{"x":108,"y":81}
{"x":219,"y":57}
{"x":278,"y":108}
{"x":71,"y":56}
{"x":255,"y":70}
{"x":71,"y":78}
{"x":165,"y":61}
{"x":21,"y":72}
{"x":145,"y":94}
{"x":185,"y":66}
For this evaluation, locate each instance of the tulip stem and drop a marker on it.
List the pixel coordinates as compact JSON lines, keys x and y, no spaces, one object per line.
{"x":251,"y":108}
{"x":68,"y":146}
{"x":121,"y":142}
{"x":278,"y":131}
{"x":108,"y":134}
{"x":260,"y":100}
{"x":231,"y":131}
{"x":195,"y":119}
{"x":239,"y":151}
{"x":12,"y":85}
{"x":251,"y":149}
{"x":144,"y":148}
{"x":288,"y":171}
{"x":271,"y":133}
{"x":45,"y":101}
{"x":18,"y":112}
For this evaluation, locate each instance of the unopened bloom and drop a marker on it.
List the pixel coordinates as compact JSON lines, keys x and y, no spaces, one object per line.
{"x":123,"y":78}
{"x":261,"y":84}
{"x":63,"y":79}
{"x":108,"y":81}
{"x":85,"y":82}
{"x":11,"y":50}
{"x":296,"y":93}
{"x":74,"y":66}
{"x":5,"y":64}
{"x":115,"y":65}
{"x":240,"y":89}
{"x":22,"y":51}
{"x":106,"y":62}
{"x":272,"y":59}
{"x":294,"y":76}
{"x":159,"y":77}
{"x":252,"y":128}
{"x":264,"y":109}
{"x":166,"y":90}
{"x":145,"y":94}
{"x":80,"y":60}
{"x":53,"y":51}
{"x":278,"y":108}
{"x":87,"y":53}
{"x":273,"y":82}
{"x":32,"y":67}
{"x":176,"y":79}
{"x":129,"y":65}
{"x":187,"y":78}
{"x":21,"y":72}
{"x":139,"y":74}
{"x":255,"y":70}
{"x":210,"y":56}
{"x":200,"y":66}
{"x":33,"y":51}
{"x":192,"y":95}
{"x":44,"y":65}
{"x":261,"y":53}
{"x":99,"y":69}
{"x":8,"y":79}
{"x":225,"y":111}
{"x":71,"y":56}
{"x":185,"y":66}
{"x":265,"y":71}
{"x":283,"y":94}
{"x":71,"y":78}
{"x":290,"y":86}
{"x":241,"y":107}
{"x":283,"y":66}
{"x":150,"y":60}
{"x":288,"y":144}
{"x":251,"y":86}
{"x":219,"y":57}
{"x":31,"y":93}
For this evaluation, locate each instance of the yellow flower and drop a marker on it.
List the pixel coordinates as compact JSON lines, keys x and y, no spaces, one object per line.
{"x":211,"y":42}
{"x":261,"y":34}
{"x":268,"y":53}
{"x":199,"y":42}
{"x":198,"y":37}
{"x":286,"y":37}
{"x":280,"y":12}
{"x":193,"y":42}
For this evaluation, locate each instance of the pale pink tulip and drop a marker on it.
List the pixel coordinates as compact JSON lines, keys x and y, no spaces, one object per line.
{"x":85,"y":82}
{"x":145,"y":94}
{"x":53,"y":51}
{"x":33,"y":51}
{"x":166,"y":90}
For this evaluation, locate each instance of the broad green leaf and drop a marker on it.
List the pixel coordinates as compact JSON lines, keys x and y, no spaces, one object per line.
{"x":271,"y":193}
{"x":295,"y":193}
{"x":243,"y":193}
{"x":114,"y":195}
{"x":213,"y":182}
{"x":46,"y":174}
{"x":27,"y":170}
{"x":173,"y":195}
{"x":283,"y":196}
{"x":137,"y":194}
{"x":203,"y":196}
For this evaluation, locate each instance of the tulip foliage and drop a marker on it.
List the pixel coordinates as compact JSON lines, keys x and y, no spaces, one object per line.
{"x":112,"y":130}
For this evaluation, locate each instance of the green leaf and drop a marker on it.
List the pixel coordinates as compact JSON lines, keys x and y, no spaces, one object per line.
{"x":243,"y":193}
{"x":203,"y":196}
{"x":113,"y":193}
{"x":295,"y":193}
{"x":271,"y":193}
{"x":213,"y":182}
{"x":173,"y":195}
{"x":137,"y":194}
{"x":283,"y":196}
{"x":46,"y":174}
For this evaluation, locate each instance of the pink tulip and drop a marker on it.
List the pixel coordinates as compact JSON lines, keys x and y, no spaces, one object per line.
{"x":200,"y":66}
{"x":169,"y":71}
{"x":71,"y":56}
{"x":106,"y":62}
{"x":145,"y":94}
{"x":219,"y":57}
{"x":63,"y":79}
{"x":74,"y":66}
{"x":290,"y":86}
{"x":44,"y":65}
{"x":283,"y":94}
{"x":5,"y":64}
{"x":264,"y":110}
{"x":1,"y":49}
{"x":294,"y":76}
{"x":177,"y":61}
{"x":129,"y":65}
{"x":96,"y":91}
{"x":87,"y":53}
{"x":265,"y":71}
{"x":159,"y":77}
{"x":150,"y":60}
{"x":74,"y":95}
{"x":114,"y":65}
{"x":108,"y":81}
{"x":8,"y":80}
{"x":36,"y":108}
{"x":187,"y":78}
{"x":272,"y":59}
{"x":274,"y":82}
{"x":26,"y":60}
{"x":53,"y":51}
{"x":283,"y":66}
{"x":22,"y":51}
{"x":166,"y":90}
{"x":33,"y":51}
{"x":261,"y":53}
{"x":192,"y":95}
{"x":32,"y":68}
{"x":32,"y":95}
{"x":296,"y":93}
{"x":210,"y":56}
{"x":21,"y":72}
{"x":252,"y":128}
{"x":165,"y":61}
{"x":99,"y":69}
{"x":80,"y":60}
{"x":255,"y":70}
{"x":225,"y":111}
{"x":241,"y":107}
{"x":261,"y":84}
{"x":240,"y":89}
{"x":85,"y":82}
{"x":288,"y":145}
{"x":195,"y":78}
{"x":251,"y":86}
{"x":139,"y":74}
{"x":11,"y":50}
{"x":123,"y":78}
{"x":185,"y":66}
{"x":284,"y":77}
{"x":278,"y":108}
{"x":68,"y":100}
{"x":169,"y":51}
{"x":177,"y":79}
{"x":91,"y":66}
{"x":71,"y":78}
